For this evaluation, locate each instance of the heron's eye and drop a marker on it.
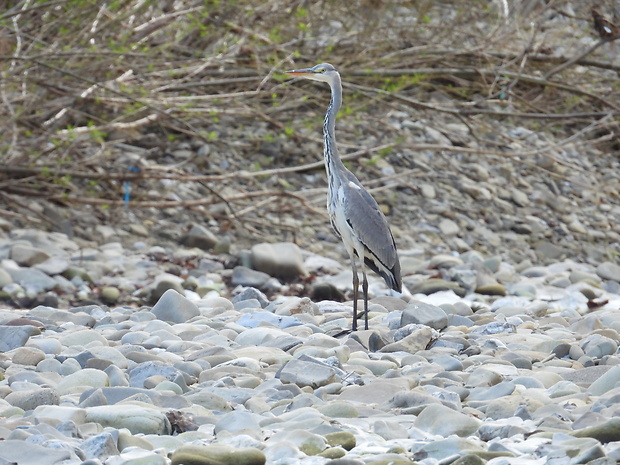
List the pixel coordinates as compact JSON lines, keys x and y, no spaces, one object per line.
{"x":320,"y":70}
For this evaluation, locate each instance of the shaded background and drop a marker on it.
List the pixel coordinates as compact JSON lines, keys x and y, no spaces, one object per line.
{"x":476,"y":127}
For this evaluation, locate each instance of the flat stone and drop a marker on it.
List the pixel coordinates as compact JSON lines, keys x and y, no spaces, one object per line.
{"x":27,"y":453}
{"x":379,"y":391}
{"x":31,"y":278}
{"x":243,"y":276}
{"x":217,"y":454}
{"x":307,"y":373}
{"x":430,"y":286}
{"x":53,"y":266}
{"x":61,"y":413}
{"x":12,"y":337}
{"x":443,"y":421}
{"x":417,"y":312}
{"x":137,"y":419}
{"x":82,"y":337}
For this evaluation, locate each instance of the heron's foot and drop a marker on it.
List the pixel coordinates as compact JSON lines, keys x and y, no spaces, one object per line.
{"x":341,"y":333}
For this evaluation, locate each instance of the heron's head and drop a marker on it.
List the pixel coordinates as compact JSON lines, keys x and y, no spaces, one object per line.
{"x":323,"y":72}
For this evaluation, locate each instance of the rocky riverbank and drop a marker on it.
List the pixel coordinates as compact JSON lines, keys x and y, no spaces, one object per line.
{"x":184,"y":360}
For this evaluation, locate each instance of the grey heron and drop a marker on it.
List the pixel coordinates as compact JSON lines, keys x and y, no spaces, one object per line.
{"x":353,"y":212}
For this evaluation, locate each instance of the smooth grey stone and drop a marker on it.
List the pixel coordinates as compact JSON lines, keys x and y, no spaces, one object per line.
{"x":448,"y":362}
{"x":456,"y":343}
{"x":417,"y":312}
{"x":389,"y":430}
{"x":135,"y":418}
{"x":529,"y":382}
{"x":174,"y":307}
{"x":247,"y":304}
{"x":209,"y":400}
{"x":284,"y":343}
{"x":255,"y":319}
{"x":306,"y":373}
{"x":237,"y":421}
{"x":243,"y":276}
{"x":192,"y":369}
{"x":31,"y":278}
{"x":588,"y":419}
{"x":117,"y":376}
{"x":12,"y":337}
{"x":35,"y":378}
{"x":96,"y":398}
{"x":82,"y":358}
{"x":458,"y":320}
{"x":200,"y":237}
{"x":609,"y":270}
{"x":235,"y":395}
{"x":517,"y":360}
{"x":562,"y":350}
{"x":251,"y":293}
{"x":502,"y":389}
{"x":281,"y":260}
{"x":432,"y":285}
{"x":563,"y":388}
{"x":114,"y":395}
{"x":441,"y":420}
{"x":413,"y":401}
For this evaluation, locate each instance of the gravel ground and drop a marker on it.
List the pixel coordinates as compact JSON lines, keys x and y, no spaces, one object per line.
{"x":479,"y":361}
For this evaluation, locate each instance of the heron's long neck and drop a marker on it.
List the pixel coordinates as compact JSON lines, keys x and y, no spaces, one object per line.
{"x":330,"y":150}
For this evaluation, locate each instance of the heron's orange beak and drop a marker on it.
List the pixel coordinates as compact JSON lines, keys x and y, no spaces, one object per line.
{"x":299,"y":72}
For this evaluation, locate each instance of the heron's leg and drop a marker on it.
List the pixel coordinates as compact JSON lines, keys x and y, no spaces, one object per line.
{"x":356,"y":285}
{"x":365,"y":291}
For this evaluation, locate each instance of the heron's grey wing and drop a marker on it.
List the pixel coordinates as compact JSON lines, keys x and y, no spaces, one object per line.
{"x":371,"y":228}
